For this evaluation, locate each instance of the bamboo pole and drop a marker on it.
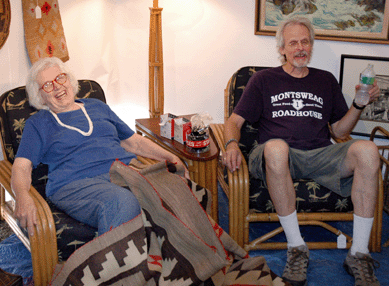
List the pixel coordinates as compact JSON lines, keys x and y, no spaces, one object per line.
{"x":156,"y":88}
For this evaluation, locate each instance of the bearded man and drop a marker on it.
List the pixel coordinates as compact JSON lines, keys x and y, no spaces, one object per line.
{"x":294,"y":105}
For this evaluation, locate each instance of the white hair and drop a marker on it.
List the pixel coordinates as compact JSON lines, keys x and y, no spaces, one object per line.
{"x":32,"y":86}
{"x":294,"y":20}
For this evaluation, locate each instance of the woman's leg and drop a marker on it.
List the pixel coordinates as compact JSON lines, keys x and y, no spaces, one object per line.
{"x":97,"y":202}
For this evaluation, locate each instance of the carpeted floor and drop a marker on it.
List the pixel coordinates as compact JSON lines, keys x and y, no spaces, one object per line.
{"x":5,"y":231}
{"x":325,"y":265}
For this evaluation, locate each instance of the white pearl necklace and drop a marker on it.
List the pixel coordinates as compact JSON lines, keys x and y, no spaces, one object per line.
{"x":74,"y":128}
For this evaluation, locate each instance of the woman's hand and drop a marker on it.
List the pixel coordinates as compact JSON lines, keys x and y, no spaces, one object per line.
{"x":142,"y":146}
{"x":25,"y":208}
{"x":177,"y":161}
{"x":26,"y":213}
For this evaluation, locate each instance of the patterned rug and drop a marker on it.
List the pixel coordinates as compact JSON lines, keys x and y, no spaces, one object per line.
{"x":173,"y":241}
{"x":43,"y":30}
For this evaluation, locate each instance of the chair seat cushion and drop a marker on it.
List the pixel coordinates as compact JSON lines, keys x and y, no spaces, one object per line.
{"x":71,"y":234}
{"x":310,"y":197}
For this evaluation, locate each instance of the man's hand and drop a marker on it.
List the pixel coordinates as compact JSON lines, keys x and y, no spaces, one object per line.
{"x":232,"y":158}
{"x":374,"y":92}
{"x":26,"y":213}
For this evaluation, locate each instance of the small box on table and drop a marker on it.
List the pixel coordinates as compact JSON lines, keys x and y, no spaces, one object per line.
{"x":167,"y":125}
{"x":182,"y":127}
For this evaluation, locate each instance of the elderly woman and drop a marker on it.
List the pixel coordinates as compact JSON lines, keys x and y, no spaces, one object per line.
{"x":78,"y":140}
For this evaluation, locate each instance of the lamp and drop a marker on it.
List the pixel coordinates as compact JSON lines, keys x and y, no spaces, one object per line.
{"x":156,"y":90}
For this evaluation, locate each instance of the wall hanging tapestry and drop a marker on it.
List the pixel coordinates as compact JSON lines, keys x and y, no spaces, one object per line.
{"x":5,"y":20}
{"x":43,"y":30}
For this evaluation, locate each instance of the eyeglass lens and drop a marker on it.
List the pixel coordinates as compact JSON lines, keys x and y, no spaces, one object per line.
{"x":49,"y":86}
{"x":304,"y":43}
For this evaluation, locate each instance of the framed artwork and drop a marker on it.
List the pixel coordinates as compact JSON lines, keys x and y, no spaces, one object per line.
{"x":376,"y":113}
{"x":337,"y":20}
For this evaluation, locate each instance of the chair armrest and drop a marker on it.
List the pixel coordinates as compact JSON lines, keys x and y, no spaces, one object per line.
{"x":146,"y":161}
{"x":237,"y":188}
{"x":43,"y":244}
{"x":383,"y":148}
{"x":238,"y":179}
{"x":378,"y":129}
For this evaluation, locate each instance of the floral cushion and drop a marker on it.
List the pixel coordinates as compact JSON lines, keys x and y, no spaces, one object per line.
{"x":14,"y":112}
{"x":311,"y":197}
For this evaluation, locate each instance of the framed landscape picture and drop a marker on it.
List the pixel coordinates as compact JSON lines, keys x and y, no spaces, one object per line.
{"x":375,"y":113}
{"x":338,"y":20}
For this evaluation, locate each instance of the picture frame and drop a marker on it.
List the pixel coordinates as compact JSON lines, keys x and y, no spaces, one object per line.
{"x":376,"y":113}
{"x":343,"y":21}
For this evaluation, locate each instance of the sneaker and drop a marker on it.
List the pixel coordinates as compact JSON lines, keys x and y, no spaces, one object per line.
{"x":295,"y":271}
{"x":362,"y":266}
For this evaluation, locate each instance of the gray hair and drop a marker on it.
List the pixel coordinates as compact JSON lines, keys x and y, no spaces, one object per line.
{"x":32,"y":86}
{"x":294,"y":20}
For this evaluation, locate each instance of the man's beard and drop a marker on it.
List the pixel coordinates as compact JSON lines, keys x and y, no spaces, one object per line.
{"x":298,"y":63}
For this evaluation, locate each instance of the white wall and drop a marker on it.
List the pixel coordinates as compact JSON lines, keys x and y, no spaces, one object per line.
{"x":205,"y":41}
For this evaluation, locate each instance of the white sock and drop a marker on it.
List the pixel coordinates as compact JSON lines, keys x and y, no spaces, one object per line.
{"x":361,"y":234}
{"x":291,"y":229}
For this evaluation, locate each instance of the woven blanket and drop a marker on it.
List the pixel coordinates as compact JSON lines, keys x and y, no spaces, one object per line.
{"x":173,"y":242}
{"x":43,"y":30}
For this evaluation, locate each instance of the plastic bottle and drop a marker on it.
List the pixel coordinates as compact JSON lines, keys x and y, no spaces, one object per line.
{"x":366,"y":81}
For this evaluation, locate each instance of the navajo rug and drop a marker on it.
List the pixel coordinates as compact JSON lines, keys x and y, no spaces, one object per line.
{"x":173,"y":242}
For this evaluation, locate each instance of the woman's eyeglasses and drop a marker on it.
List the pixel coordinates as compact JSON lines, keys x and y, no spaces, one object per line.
{"x":49,"y":85}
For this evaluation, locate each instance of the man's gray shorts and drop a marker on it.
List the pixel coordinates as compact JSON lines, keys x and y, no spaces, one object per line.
{"x":323,"y":165}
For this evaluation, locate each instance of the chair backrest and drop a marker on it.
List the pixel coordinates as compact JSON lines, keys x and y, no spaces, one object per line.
{"x":14,"y":112}
{"x":232,"y":95}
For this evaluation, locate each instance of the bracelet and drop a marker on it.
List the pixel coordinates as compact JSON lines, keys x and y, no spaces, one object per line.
{"x":358,"y":107}
{"x":229,"y":141}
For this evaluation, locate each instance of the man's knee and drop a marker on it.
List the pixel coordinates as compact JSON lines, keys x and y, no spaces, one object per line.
{"x":276,"y":153}
{"x":366,"y":154}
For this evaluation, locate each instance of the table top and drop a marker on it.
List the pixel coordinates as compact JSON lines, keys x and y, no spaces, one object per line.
{"x":152,"y":128}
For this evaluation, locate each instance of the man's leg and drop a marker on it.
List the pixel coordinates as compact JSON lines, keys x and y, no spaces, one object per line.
{"x":281,"y":189}
{"x":362,"y":161}
{"x":283,"y":195}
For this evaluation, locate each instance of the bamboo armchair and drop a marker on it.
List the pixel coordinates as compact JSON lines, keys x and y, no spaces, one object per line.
{"x":384,"y":155}
{"x":57,"y":235}
{"x":240,"y":189}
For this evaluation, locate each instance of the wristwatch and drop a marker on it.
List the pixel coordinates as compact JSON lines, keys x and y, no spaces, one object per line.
{"x":357,"y":106}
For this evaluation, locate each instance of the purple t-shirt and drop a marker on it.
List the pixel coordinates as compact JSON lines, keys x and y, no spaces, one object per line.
{"x":297,"y":110}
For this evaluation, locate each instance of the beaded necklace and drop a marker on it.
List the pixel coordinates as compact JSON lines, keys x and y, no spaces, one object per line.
{"x":74,"y":128}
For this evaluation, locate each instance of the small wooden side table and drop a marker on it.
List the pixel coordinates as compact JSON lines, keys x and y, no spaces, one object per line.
{"x":202,"y":166}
